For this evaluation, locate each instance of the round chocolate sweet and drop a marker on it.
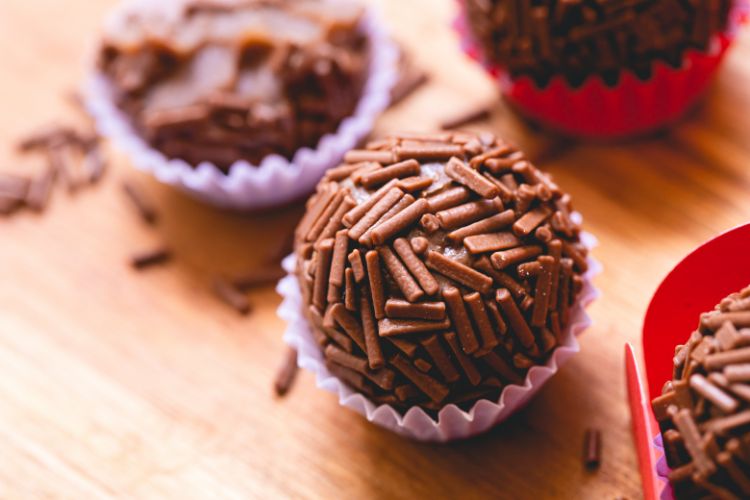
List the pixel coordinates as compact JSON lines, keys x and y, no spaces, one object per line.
{"x":704,"y":411}
{"x":581,"y":38}
{"x":224,"y":81}
{"x":437,"y":268}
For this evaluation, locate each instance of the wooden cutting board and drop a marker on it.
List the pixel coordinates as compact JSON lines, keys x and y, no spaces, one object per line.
{"x":143,"y":385}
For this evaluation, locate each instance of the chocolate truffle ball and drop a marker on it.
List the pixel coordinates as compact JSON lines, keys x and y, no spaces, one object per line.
{"x":437,"y":268}
{"x":704,"y":412}
{"x":224,"y":81}
{"x":581,"y":38}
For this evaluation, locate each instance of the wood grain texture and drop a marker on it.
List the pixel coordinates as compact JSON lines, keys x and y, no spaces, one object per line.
{"x":116,"y":384}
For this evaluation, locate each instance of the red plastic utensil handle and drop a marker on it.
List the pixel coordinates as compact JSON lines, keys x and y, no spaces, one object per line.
{"x":644,"y":425}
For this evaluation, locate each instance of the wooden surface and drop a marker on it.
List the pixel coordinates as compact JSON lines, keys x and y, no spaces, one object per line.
{"x":114,"y":383}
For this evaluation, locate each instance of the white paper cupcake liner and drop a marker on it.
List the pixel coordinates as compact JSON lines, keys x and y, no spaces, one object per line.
{"x":276,"y":181}
{"x":453,"y":422}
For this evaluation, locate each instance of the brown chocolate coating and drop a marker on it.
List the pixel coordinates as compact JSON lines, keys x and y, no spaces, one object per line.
{"x":222,"y":81}
{"x":580,"y":38}
{"x":424,"y":316}
{"x":704,"y":412}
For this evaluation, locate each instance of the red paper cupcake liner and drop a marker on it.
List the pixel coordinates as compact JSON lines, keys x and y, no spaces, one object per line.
{"x":598,"y":110}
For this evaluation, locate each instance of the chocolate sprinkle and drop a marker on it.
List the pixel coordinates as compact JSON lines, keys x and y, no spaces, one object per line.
{"x":287,"y":373}
{"x":150,"y":258}
{"x":231,"y":295}
{"x":592,"y":448}
{"x":140,"y":202}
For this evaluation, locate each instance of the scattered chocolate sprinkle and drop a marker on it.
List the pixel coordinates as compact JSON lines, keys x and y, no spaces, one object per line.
{"x":467,"y":117}
{"x":140,"y":201}
{"x":39,"y":191}
{"x":258,"y":277}
{"x":412,"y":78}
{"x":287,"y":373}
{"x":8,"y":204}
{"x":231,"y":295}
{"x":592,"y":448}
{"x":60,"y":158}
{"x":13,"y":187}
{"x":94,"y":165}
{"x":142,"y":260}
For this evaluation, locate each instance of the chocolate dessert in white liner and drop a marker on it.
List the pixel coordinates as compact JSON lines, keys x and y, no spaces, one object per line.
{"x":223,"y":82}
{"x":438,"y":269}
{"x":237,"y":157}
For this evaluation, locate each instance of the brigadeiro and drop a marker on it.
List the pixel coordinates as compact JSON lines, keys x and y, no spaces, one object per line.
{"x":704,"y":411}
{"x":600,"y":67}
{"x":232,"y":87}
{"x":440,"y":274}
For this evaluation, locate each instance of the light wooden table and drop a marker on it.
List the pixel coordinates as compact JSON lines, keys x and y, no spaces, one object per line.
{"x":143,"y":385}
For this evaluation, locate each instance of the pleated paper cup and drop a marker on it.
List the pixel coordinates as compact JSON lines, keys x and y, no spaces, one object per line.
{"x":596,"y":109}
{"x":275,"y":181}
{"x":452,"y":422}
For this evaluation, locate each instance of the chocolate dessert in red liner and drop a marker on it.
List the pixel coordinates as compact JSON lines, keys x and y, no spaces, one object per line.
{"x":602,"y":69}
{"x":703,"y":410}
